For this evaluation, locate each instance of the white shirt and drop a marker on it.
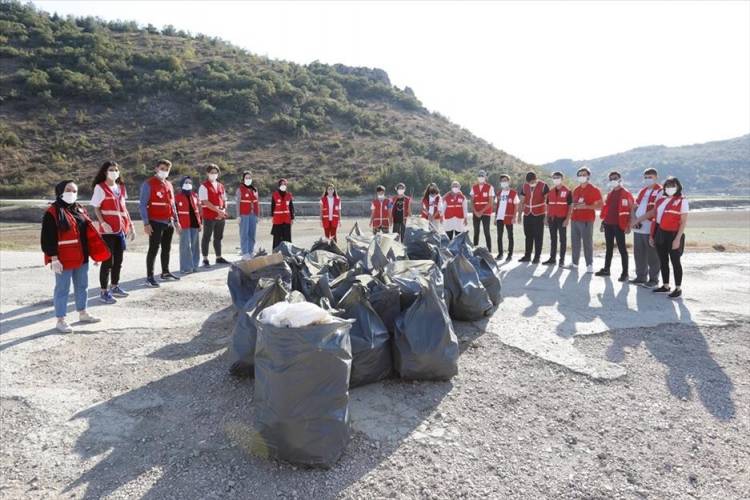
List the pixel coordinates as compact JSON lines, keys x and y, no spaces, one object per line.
{"x":330,"y":207}
{"x":431,"y":204}
{"x":641,"y":210}
{"x":98,"y":196}
{"x":503,"y":205}
{"x":663,"y":206}
{"x":203,"y":192}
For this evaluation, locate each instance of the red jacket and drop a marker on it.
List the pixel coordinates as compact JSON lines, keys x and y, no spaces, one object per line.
{"x":624,"y":211}
{"x":454,"y":206}
{"x":248,"y":201}
{"x":114,"y":211}
{"x":216,"y":197}
{"x":69,"y":247}
{"x":380,"y":211}
{"x":557,"y":202}
{"x":160,"y":202}
{"x":655,"y":190}
{"x":480,"y":194}
{"x":281,"y":211}
{"x":435,"y":211}
{"x":510,"y":205}
{"x":334,"y":222}
{"x":533,"y":200}
{"x":672,"y":216}
{"x":183,"y":203}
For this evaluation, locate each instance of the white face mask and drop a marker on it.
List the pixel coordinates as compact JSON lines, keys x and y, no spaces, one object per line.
{"x":504,"y":184}
{"x":381,"y":196}
{"x":556,"y":181}
{"x":162,"y":174}
{"x":481,"y":180}
{"x":649,"y":181}
{"x":213,"y":177}
{"x":187,"y":186}
{"x":69,"y":197}
{"x":330,"y":192}
{"x":113,"y":175}
{"x":613,"y":184}
{"x":248,"y":182}
{"x":670,"y":191}
{"x":282,"y":187}
{"x":400,"y":192}
{"x":582,"y":179}
{"x":456,"y":190}
{"x":532,"y":185}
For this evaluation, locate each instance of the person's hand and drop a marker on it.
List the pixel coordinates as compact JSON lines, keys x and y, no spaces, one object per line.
{"x":634,"y":225}
{"x":200,"y":227}
{"x":177,"y":229}
{"x":627,"y":230}
{"x":676,"y":244}
{"x":651,"y":241}
{"x":546,"y":221}
{"x":565,"y":223}
{"x":131,"y":234}
{"x":148,"y":229}
{"x":56,"y":266}
{"x":96,"y":264}
{"x":105,"y":228}
{"x":466,"y":222}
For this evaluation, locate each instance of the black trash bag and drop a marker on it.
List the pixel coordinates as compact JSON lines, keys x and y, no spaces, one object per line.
{"x":302,"y":392}
{"x":442,"y":257}
{"x":356,"y":248}
{"x":317,"y":287}
{"x":489,"y":273}
{"x":461,"y":245}
{"x":465,"y":295}
{"x":420,"y":243}
{"x":411,"y":276}
{"x":321,"y":261}
{"x":286,"y":249}
{"x":242,"y":348}
{"x":341,"y":284}
{"x":371,"y":342}
{"x":386,"y":300}
{"x":241,"y":286}
{"x":355,"y":231}
{"x":280,"y":270}
{"x":327,"y":245}
{"x":425,"y":346}
{"x":383,"y":248}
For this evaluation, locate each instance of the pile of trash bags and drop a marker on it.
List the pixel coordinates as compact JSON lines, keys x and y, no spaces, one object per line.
{"x":325,"y":320}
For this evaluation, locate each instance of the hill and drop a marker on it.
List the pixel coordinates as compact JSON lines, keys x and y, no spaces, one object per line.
{"x":711,"y":168}
{"x":77,"y":91}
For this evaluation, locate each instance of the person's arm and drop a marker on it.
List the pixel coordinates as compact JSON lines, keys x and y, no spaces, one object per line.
{"x":49,"y":235}
{"x":372,"y":213}
{"x":683,"y":223}
{"x":291,"y":207}
{"x":569,"y":214}
{"x":237,"y":200}
{"x":96,"y":201}
{"x":203,"y":197}
{"x":143,"y":207}
{"x":273,"y":207}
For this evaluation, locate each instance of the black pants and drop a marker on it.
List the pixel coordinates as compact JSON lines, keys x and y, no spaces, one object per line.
{"x":612,"y":233}
{"x":500,"y":227}
{"x":557,"y":229}
{"x":400,"y":228}
{"x":663,"y":241}
{"x":485,"y":220}
{"x":533,"y":230}
{"x":161,"y":236}
{"x":114,"y":264}
{"x":215,"y":228}
{"x":281,"y":232}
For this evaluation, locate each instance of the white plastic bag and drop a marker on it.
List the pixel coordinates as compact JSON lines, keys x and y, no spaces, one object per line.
{"x":294,"y":315}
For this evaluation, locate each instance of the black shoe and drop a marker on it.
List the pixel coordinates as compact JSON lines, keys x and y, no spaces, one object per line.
{"x":675,"y":294}
{"x":169,"y":276}
{"x":524,"y":259}
{"x":637,"y":281}
{"x":206,"y":263}
{"x":661,"y":289}
{"x":535,"y":261}
{"x":623,"y":277}
{"x":150,"y":281}
{"x":499,"y":256}
{"x":549,"y":262}
{"x":602,"y":272}
{"x":507,"y":259}
{"x":222,"y":260}
{"x":561,"y":263}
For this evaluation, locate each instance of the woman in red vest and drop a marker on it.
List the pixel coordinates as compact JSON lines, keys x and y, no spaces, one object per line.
{"x":617,"y":216}
{"x":282,"y":214}
{"x":190,"y":222}
{"x":380,"y":212}
{"x":669,"y":216}
{"x":108,"y":200}
{"x":330,"y":212}
{"x":213,"y":200}
{"x":248,"y":213}
{"x":431,"y":204}
{"x":68,"y":239}
{"x":454,"y":209}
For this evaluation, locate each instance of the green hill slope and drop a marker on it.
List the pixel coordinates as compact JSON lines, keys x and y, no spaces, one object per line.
{"x":74,"y":92}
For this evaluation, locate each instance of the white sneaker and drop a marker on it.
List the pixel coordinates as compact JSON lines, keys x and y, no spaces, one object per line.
{"x":85,"y":317}
{"x":63,"y":327}
{"x":247,"y":256}
{"x":590,"y":269}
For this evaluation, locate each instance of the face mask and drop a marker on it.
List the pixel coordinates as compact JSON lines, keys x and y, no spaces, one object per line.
{"x":400,"y":192}
{"x":433,"y":193}
{"x":282,"y":187}
{"x":213,"y":177}
{"x":583,"y":179}
{"x":556,"y":181}
{"x":69,"y":197}
{"x":330,"y":192}
{"x":670,"y":191}
{"x":113,"y":175}
{"x":648,"y":181}
{"x":162,"y":174}
{"x":381,"y":196}
{"x":504,"y":184}
{"x":532,"y":185}
{"x":481,"y":180}
{"x":187,"y":187}
{"x":248,"y":182}
{"x":613,"y":184}
{"x":456,"y":190}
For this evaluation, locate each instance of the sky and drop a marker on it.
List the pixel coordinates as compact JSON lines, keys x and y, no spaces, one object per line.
{"x":540,"y":80}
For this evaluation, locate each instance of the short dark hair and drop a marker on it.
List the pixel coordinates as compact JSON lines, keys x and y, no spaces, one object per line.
{"x":557,"y":174}
{"x":504,"y":176}
{"x":212,"y":166}
{"x":674,"y":181}
{"x":380,"y":188}
{"x":530,"y":176}
{"x":614,"y":172}
{"x":164,"y":162}
{"x":400,"y":185}
{"x":650,"y":171}
{"x":584,"y":169}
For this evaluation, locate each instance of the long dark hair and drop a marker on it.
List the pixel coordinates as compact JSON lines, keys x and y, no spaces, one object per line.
{"x":242,"y":180}
{"x":101,"y":175}
{"x":325,"y":191}
{"x":676,"y":182}
{"x":427,"y":191}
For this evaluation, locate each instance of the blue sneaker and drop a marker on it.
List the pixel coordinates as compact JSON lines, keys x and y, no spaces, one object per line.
{"x":118,"y":292}
{"x":106,"y":297}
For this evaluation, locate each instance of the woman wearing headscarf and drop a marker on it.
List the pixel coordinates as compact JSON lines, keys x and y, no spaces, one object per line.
{"x":189,"y":218}
{"x":68,"y":240}
{"x":282,"y":213}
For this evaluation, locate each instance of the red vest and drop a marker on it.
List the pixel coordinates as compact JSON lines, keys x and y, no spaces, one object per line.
{"x":481,"y":196}
{"x":183,"y":203}
{"x":557,"y":202}
{"x":160,"y":202}
{"x":435,"y":211}
{"x":379,"y":216}
{"x":281,"y":213}
{"x":336,"y":211}
{"x":623,"y":211}
{"x":114,"y":211}
{"x":454,"y":206}
{"x":533,"y":200}
{"x":510,"y":205}
{"x":672,"y":216}
{"x":655,"y":190}
{"x":248,"y":201}
{"x":69,"y":247}
{"x":216,"y":197}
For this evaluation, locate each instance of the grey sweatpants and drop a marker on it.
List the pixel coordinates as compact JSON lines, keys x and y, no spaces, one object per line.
{"x":582,"y":232}
{"x":646,"y":259}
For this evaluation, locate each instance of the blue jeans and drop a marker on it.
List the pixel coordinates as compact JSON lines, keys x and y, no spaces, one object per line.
{"x":190,"y":250}
{"x":80,"y":279}
{"x":248,"y":224}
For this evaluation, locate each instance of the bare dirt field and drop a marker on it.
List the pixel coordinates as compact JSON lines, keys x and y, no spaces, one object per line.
{"x":576,"y":387}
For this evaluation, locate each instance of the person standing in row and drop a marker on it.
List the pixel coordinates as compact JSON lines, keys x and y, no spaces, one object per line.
{"x":670,"y":215}
{"x":647,"y":264}
{"x":534,"y":193}
{"x":248,"y":213}
{"x":213,"y":198}
{"x":380,"y":209}
{"x":431,"y":204}
{"x":108,"y":200}
{"x":68,"y":239}
{"x":190,"y":222}
{"x":616,"y":215}
{"x":482,"y":195}
{"x":400,"y":210}
{"x":507,"y":201}
{"x":587,"y":199}
{"x":559,"y":201}
{"x":330,"y":212}
{"x":455,"y":211}
{"x":159,"y":217}
{"x":282,"y":213}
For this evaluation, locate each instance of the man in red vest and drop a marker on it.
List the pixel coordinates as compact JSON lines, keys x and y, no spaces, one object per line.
{"x":647,"y":263}
{"x":213,"y":198}
{"x":587,"y":199}
{"x":482,"y":198}
{"x":533,"y":193}
{"x":616,"y":215}
{"x":380,"y":210}
{"x":559,"y":200}
{"x":282,"y":214}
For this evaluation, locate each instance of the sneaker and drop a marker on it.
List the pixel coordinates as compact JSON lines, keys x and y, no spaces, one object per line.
{"x":602,"y":272}
{"x":637,"y":281}
{"x":572,"y":267}
{"x":590,"y":269}
{"x":677,"y":292}
{"x":623,"y":277}
{"x":106,"y":297}
{"x":206,"y":263}
{"x":508,"y":258}
{"x":535,"y":261}
{"x":116,"y":291}
{"x":221,"y":260}
{"x":499,"y":256}
{"x":561,"y":263}
{"x":246,"y":256}
{"x":63,"y":327}
{"x":150,"y":281}
{"x":169,"y":276}
{"x":85,"y":317}
{"x":524,"y":259}
{"x":661,"y":289}
{"x":650,"y":284}
{"x":549,"y":262}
